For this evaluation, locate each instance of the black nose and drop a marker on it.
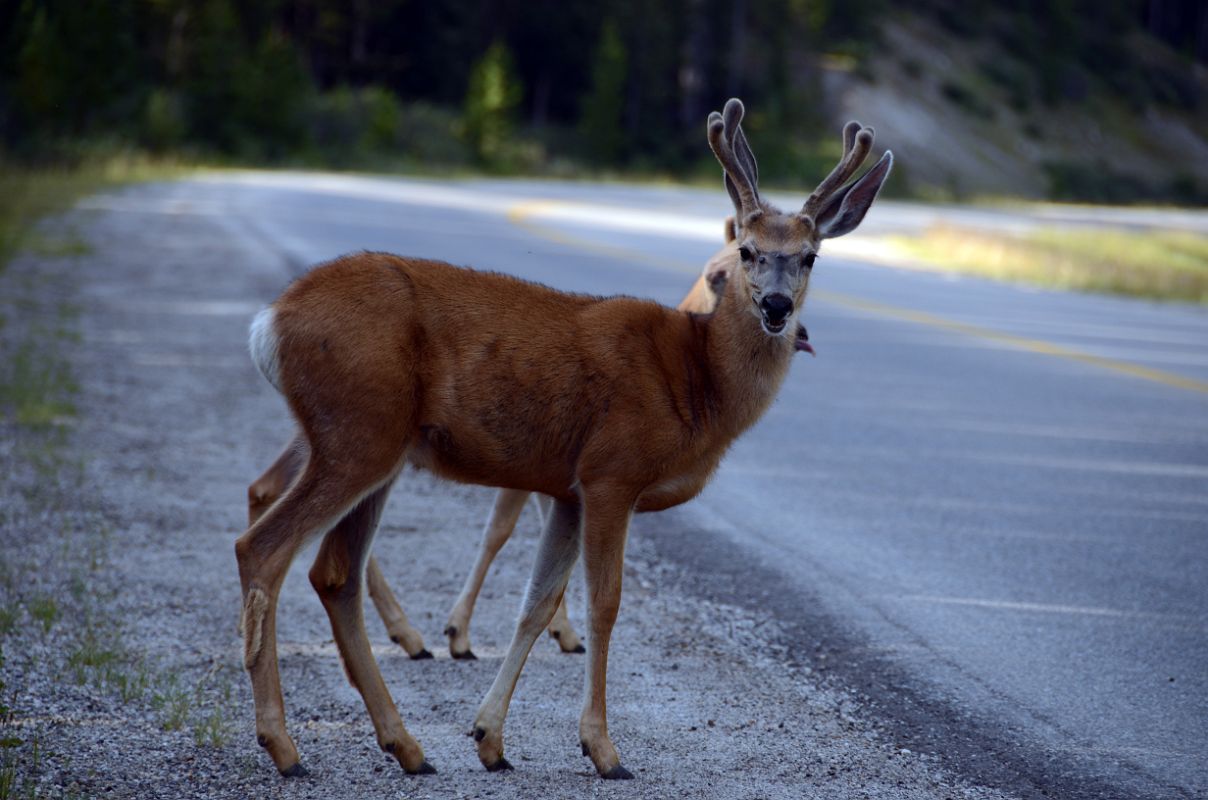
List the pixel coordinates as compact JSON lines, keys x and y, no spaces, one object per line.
{"x":776,"y":307}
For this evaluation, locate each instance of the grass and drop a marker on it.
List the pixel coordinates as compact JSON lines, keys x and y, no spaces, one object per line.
{"x":1157,"y":264}
{"x":206,"y":708}
{"x":35,"y":388}
{"x":174,"y":703}
{"x":29,"y":193}
{"x":44,"y":610}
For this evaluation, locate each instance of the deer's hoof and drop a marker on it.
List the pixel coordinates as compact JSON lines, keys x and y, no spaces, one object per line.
{"x":422,"y":654}
{"x":618,"y":773}
{"x":465,"y":655}
{"x":296,"y":771}
{"x":579,"y":648}
{"x":502,"y":765}
{"x":423,"y":769}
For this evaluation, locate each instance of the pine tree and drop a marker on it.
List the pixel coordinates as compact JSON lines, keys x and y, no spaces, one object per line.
{"x":600,"y":117}
{"x":491,"y":100}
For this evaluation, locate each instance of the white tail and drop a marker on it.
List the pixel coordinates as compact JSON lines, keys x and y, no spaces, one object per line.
{"x":262,"y":343}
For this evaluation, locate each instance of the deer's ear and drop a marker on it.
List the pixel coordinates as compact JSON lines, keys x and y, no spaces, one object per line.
{"x":845,"y":209}
{"x":730,"y":232}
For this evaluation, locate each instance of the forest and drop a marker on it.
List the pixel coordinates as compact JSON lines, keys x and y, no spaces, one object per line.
{"x":544,"y":87}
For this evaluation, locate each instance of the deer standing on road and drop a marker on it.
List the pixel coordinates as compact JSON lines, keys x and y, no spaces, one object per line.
{"x":607,"y":405}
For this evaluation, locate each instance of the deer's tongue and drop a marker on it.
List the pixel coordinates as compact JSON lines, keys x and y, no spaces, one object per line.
{"x":801,"y":342}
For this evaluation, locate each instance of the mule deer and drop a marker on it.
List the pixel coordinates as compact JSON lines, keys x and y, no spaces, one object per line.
{"x":607,"y":405}
{"x":508,"y":505}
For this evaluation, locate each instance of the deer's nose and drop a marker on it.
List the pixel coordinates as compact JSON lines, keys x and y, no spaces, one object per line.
{"x":776,"y":307}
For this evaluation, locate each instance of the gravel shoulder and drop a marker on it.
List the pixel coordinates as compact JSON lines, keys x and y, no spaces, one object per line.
{"x":128,"y":531}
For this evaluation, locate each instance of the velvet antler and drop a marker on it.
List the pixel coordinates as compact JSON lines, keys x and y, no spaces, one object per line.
{"x":729,"y":144}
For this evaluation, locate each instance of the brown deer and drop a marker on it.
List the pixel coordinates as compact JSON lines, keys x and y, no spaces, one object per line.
{"x":607,"y":405}
{"x":509,"y":503}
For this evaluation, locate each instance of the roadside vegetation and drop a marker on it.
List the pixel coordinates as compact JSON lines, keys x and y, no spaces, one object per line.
{"x":32,"y":190}
{"x":58,"y":619}
{"x":1163,"y":265}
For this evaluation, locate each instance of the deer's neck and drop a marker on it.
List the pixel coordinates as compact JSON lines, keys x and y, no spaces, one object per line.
{"x":747,"y":365}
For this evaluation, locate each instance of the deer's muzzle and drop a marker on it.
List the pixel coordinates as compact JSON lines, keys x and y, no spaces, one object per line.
{"x":776,"y":309}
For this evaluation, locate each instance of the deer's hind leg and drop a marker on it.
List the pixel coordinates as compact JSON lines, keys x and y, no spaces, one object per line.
{"x":338,"y":576}
{"x":398,"y":627}
{"x":326,"y":490}
{"x":265,"y":490}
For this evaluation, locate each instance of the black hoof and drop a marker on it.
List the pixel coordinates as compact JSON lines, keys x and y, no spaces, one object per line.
{"x":467,"y":655}
{"x":422,"y":654}
{"x":451,"y":631}
{"x":618,"y":773}
{"x":579,"y":648}
{"x":502,"y":765}
{"x":296,"y":771}
{"x":583,"y":747}
{"x":424,"y":769}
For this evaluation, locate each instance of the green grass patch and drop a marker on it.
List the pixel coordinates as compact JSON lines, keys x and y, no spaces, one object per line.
{"x":35,"y":387}
{"x":45,"y":611}
{"x":94,"y":657}
{"x":1158,"y":264}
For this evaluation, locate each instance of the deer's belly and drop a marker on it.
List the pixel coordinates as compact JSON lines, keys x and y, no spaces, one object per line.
{"x":467,"y":460}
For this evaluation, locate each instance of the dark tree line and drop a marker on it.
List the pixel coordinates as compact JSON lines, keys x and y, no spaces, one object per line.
{"x":618,"y":82}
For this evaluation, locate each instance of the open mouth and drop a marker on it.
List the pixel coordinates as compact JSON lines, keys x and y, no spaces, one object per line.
{"x":774,"y":328}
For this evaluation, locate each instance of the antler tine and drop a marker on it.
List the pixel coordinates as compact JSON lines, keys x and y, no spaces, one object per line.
{"x":742,"y":149}
{"x":721,"y":130}
{"x":853,"y":156}
{"x":849,"y":135}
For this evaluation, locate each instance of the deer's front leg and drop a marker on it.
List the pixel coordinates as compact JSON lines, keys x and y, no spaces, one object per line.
{"x":508,"y":505}
{"x":555,"y":558}
{"x":605,"y":528}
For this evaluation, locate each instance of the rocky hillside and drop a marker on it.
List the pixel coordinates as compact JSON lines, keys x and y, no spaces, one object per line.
{"x":969,"y":116}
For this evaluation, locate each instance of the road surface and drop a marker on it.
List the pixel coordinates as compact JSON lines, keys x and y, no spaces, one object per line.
{"x":982,"y":506}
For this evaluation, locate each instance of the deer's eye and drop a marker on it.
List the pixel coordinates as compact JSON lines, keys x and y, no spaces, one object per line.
{"x":809,"y":260}
{"x":745,"y":253}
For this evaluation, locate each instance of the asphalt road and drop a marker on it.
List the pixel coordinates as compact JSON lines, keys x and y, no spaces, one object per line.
{"x":984,"y":506}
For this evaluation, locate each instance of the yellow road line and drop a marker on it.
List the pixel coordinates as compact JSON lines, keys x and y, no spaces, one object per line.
{"x":1018,"y":342}
{"x":521,"y":215}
